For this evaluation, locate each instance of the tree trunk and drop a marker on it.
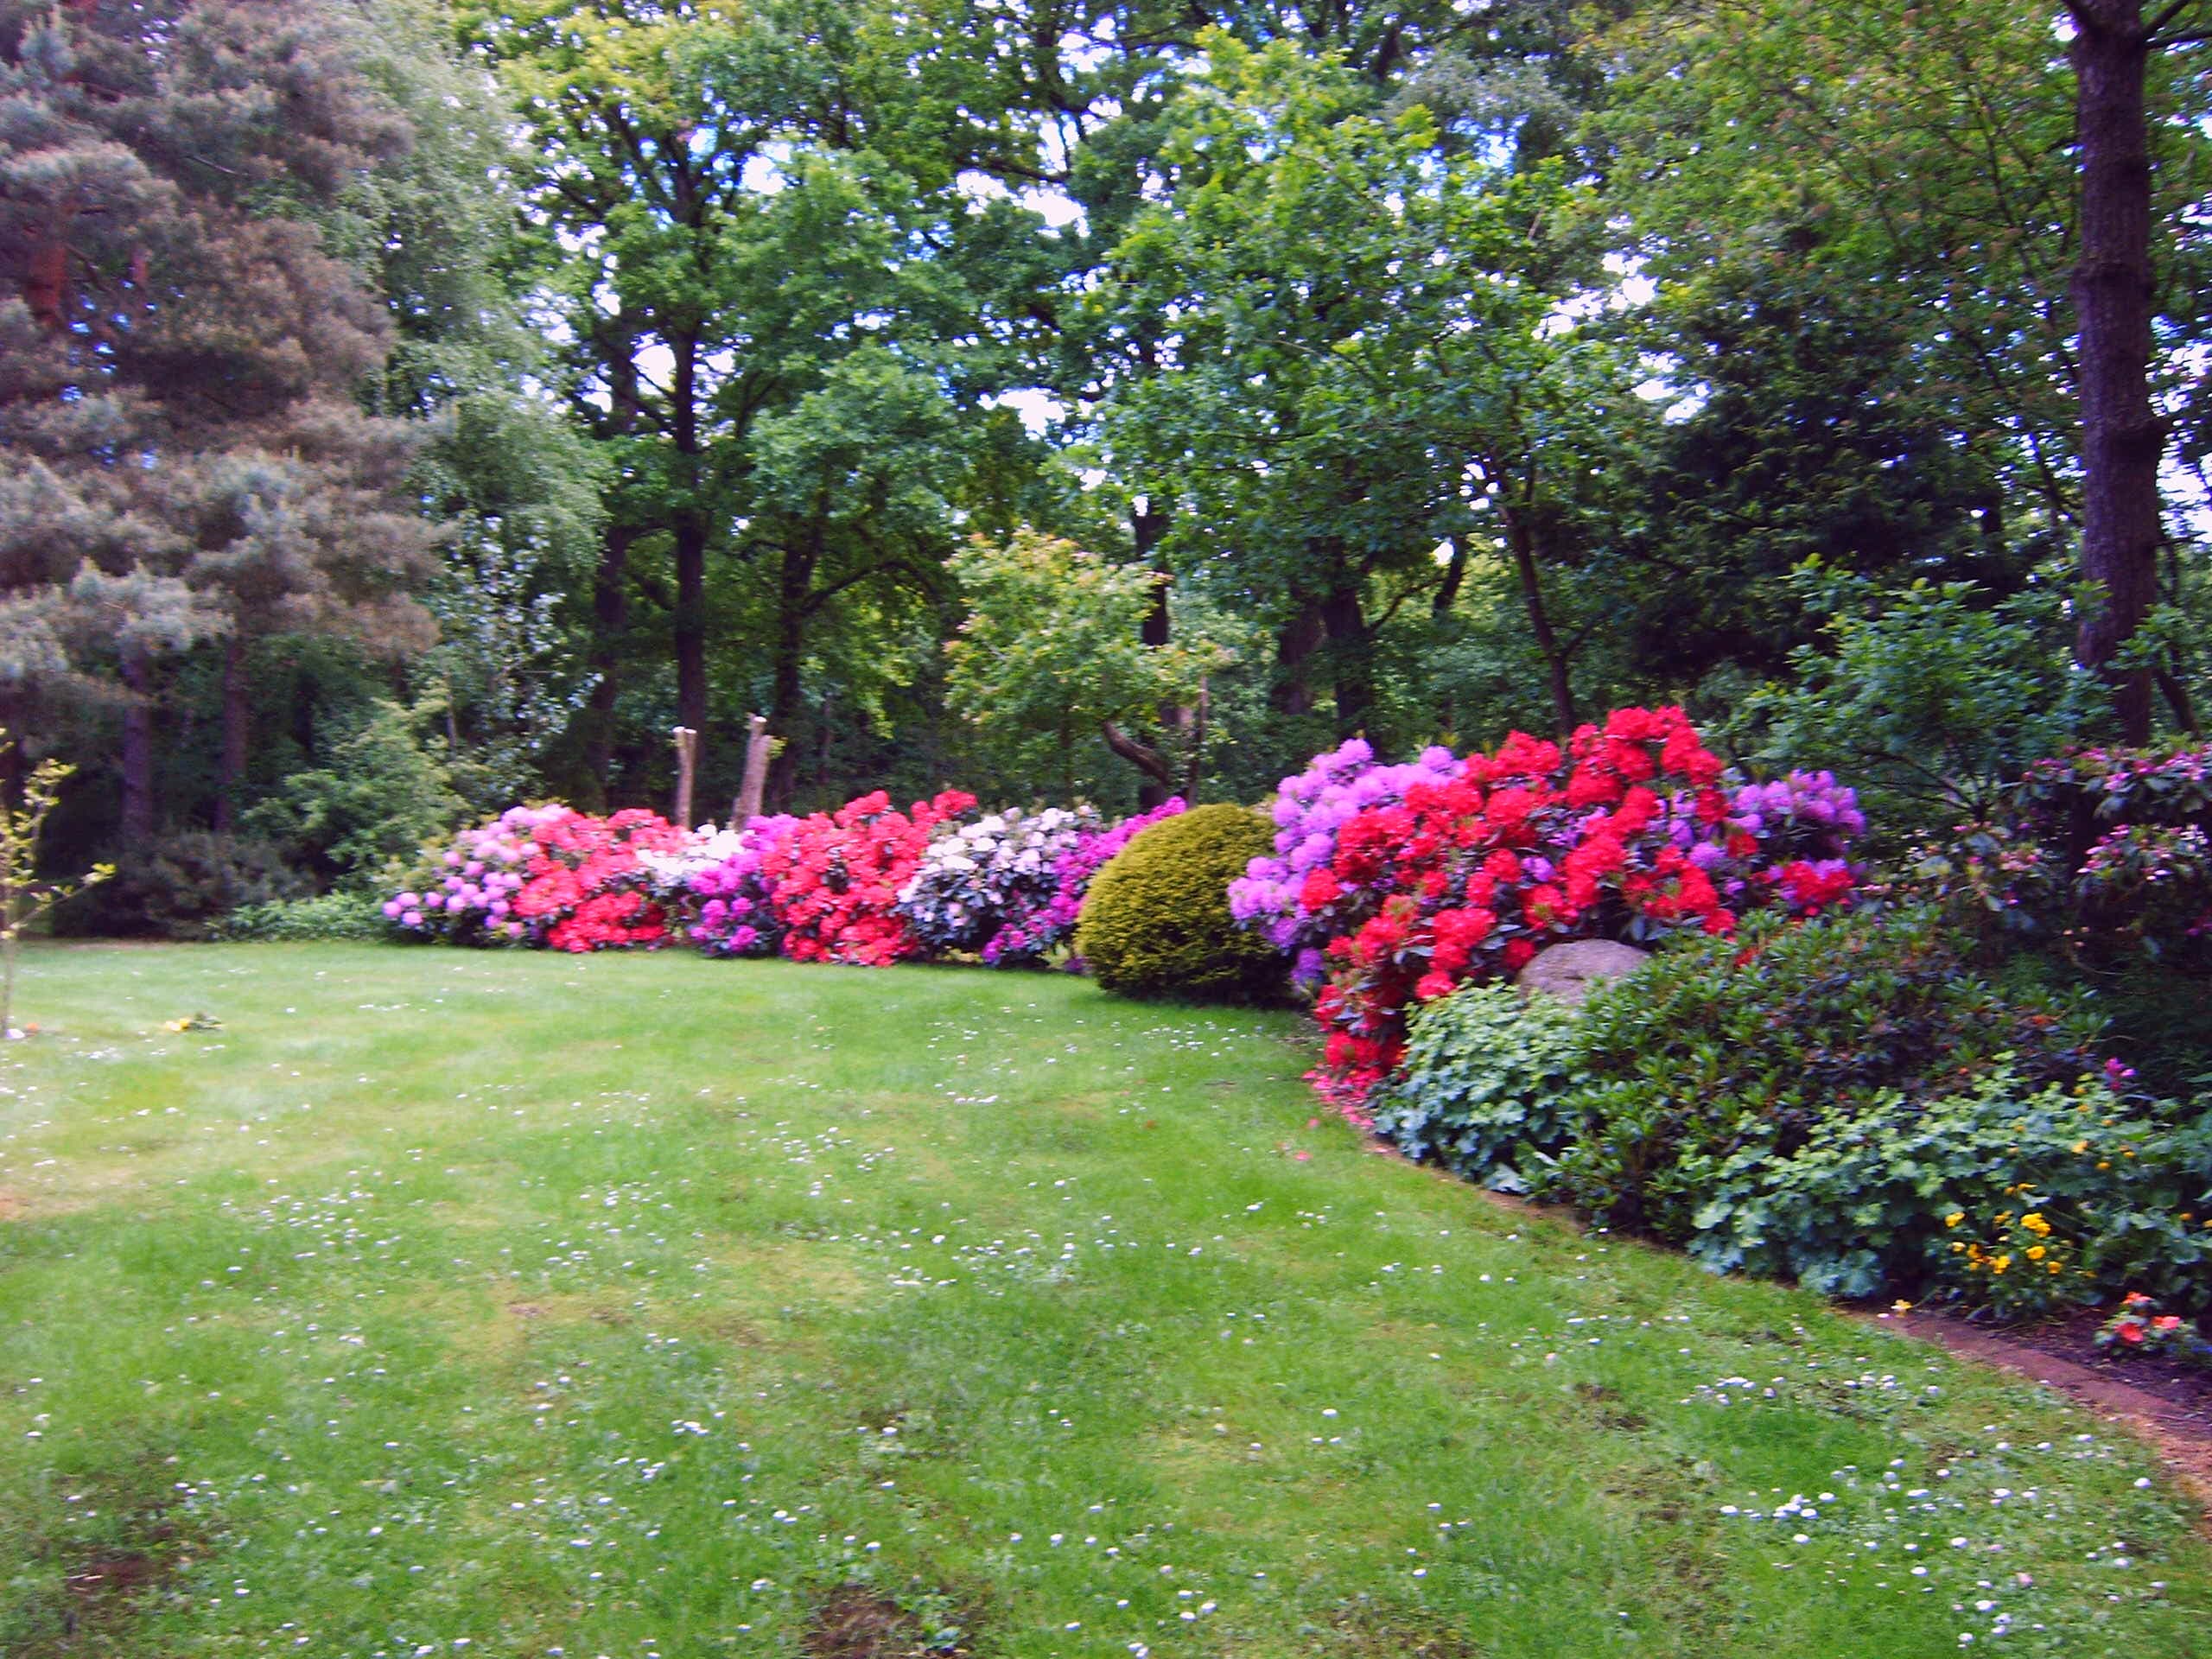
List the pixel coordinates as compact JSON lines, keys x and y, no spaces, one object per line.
{"x":1520,"y":537}
{"x":230,"y":776}
{"x":1158,"y":629}
{"x":1351,"y":658}
{"x":1150,"y":762}
{"x":1296,"y":641}
{"x":1455,"y":577}
{"x":2122,"y":437}
{"x":137,"y":747}
{"x":794,"y":593}
{"x":610,"y":615}
{"x":689,"y":529}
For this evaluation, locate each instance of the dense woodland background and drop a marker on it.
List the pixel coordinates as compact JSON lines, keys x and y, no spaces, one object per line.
{"x":413,"y":407}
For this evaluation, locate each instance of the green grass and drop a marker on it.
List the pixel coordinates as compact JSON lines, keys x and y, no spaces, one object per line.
{"x":446,"y":1303}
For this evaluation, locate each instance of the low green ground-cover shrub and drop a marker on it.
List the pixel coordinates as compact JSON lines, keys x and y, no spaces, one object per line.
{"x":1845,"y":1103}
{"x":1488,"y":1075}
{"x":1756,"y":1044}
{"x":339,"y":915}
{"x":1156,"y":922}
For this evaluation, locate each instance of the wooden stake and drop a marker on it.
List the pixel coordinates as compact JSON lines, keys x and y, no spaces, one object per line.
{"x":758,"y":746}
{"x":687,"y":769}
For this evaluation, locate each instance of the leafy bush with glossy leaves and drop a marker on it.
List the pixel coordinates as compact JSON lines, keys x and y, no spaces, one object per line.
{"x":1156,"y":922}
{"x":1758,"y":1043}
{"x":1485,"y":1087}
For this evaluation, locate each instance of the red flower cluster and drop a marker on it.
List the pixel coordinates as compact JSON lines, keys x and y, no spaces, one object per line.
{"x":834,"y":877}
{"x":1626,"y":834}
{"x":585,"y":885}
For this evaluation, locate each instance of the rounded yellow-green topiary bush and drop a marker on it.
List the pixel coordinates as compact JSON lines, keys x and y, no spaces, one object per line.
{"x":1156,"y":921}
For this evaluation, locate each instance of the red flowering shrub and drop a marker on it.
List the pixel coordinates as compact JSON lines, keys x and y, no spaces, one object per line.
{"x":1629,"y":833}
{"x":834,"y":877}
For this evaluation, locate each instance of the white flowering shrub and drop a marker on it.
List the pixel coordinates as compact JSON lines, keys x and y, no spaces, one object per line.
{"x":989,"y":887}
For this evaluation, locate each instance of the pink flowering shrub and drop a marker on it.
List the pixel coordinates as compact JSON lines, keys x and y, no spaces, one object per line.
{"x":545,"y":875}
{"x":735,"y":914}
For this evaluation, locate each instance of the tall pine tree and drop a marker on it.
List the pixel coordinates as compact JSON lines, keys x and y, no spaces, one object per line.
{"x":180,"y":356}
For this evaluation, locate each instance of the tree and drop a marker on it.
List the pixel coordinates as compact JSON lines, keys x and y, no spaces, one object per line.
{"x":179,"y":357}
{"x":1051,"y":649}
{"x":1363,"y":354}
{"x":2115,"y":299}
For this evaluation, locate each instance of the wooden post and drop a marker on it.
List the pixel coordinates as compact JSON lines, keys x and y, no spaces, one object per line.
{"x":750,"y":794}
{"x":687,"y":769}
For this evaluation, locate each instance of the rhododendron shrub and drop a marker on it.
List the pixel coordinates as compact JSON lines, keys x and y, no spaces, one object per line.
{"x":546,"y":876}
{"x":1632,"y":831}
{"x":1309,"y":809}
{"x":834,"y":879}
{"x":989,"y":886}
{"x":735,"y":914}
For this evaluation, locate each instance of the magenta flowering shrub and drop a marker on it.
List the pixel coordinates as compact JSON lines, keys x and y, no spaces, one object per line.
{"x":736,"y":914}
{"x":2102,"y":854}
{"x":1309,"y":809}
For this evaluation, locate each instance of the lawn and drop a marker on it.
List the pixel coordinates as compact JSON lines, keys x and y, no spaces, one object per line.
{"x":490,"y":1305}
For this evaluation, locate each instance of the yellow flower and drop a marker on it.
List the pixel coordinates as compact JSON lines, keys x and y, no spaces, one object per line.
{"x":1998,"y":1263}
{"x":1954,"y":1217}
{"x":1900,"y":1307}
{"x":2034,"y":1222}
{"x":2037,"y":1252}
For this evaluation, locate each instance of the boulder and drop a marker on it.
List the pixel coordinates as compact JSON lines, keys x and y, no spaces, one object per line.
{"x":1568,"y":971}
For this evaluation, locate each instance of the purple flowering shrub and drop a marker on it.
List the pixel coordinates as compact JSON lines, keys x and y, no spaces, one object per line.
{"x":1309,"y":808}
{"x":736,"y":915}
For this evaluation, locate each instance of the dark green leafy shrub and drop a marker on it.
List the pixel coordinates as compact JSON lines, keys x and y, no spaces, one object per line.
{"x":1485,"y":1084}
{"x":340,"y":915}
{"x":2004,"y":1195}
{"x":180,"y":887}
{"x":1754,"y":1045}
{"x":1156,"y":921}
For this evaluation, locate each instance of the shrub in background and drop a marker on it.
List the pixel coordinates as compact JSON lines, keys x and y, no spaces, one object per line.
{"x":1157,"y":921}
{"x":1487,"y":1073}
{"x":182,"y":886}
{"x":989,"y":887}
{"x":543,"y":875}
